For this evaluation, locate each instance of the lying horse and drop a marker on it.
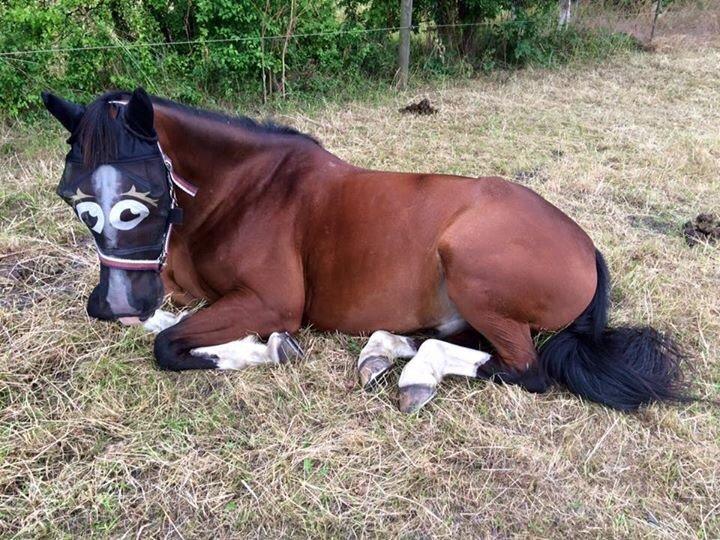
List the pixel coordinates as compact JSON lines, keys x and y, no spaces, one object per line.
{"x":280,"y":233}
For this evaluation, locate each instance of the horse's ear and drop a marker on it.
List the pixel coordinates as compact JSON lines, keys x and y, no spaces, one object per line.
{"x":139,"y":115}
{"x":67,"y":112}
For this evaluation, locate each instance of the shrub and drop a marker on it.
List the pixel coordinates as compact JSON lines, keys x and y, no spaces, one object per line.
{"x":230,"y":58}
{"x":273,"y":47}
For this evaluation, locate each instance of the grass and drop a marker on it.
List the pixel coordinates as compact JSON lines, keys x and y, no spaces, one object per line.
{"x":95,"y":441}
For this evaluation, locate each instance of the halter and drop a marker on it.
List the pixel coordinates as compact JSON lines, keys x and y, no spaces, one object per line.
{"x":175,"y":216}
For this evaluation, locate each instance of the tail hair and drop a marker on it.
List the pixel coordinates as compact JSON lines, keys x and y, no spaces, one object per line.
{"x":623,"y":368}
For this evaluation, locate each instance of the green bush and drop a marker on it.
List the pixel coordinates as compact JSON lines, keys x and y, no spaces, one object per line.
{"x":458,"y":37}
{"x":260,"y":48}
{"x":231,"y":57}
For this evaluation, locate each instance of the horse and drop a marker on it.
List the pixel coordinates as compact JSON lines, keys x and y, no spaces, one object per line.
{"x":273,"y":232}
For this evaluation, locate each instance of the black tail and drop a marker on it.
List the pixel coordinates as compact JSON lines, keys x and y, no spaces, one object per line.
{"x":623,"y":368}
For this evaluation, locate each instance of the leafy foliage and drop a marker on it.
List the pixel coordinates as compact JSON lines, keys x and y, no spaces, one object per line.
{"x":192,"y":49}
{"x":232,"y":57}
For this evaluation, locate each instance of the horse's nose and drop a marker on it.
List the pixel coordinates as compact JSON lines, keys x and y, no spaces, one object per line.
{"x":97,"y":306}
{"x":125,"y":294}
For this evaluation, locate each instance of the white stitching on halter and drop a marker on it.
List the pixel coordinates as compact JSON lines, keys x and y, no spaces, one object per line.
{"x":183,"y":184}
{"x":133,"y":264}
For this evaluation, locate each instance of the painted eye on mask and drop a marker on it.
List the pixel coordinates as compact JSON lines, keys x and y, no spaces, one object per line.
{"x":91,"y":215}
{"x":127,"y":214}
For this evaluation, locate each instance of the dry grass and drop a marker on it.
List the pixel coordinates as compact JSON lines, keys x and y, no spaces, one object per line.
{"x":96,"y":440}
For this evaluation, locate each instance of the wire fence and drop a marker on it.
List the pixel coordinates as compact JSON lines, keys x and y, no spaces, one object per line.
{"x":425,"y":27}
{"x":642,"y":19}
{"x":200,"y":42}
{"x":649,"y":20}
{"x":162,"y":66}
{"x":296,"y":61}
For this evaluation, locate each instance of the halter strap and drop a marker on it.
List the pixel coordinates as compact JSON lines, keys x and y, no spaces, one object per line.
{"x":174,"y":216}
{"x":178,"y":180}
{"x":134,"y":264}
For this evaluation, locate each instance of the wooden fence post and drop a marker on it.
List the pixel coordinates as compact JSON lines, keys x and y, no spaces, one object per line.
{"x":658,"y":5}
{"x":404,"y":52}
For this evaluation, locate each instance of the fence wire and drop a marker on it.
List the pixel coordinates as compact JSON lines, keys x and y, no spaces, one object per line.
{"x":646,"y":21}
{"x":280,"y":63}
{"x":427,"y":27}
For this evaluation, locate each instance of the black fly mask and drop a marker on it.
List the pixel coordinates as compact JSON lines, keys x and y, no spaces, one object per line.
{"x":120,"y":184}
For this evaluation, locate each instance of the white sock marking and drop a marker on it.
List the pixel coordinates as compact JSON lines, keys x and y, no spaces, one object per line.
{"x":243,"y":353}
{"x":390,"y":346}
{"x":436,"y":359}
{"x":162,"y":320}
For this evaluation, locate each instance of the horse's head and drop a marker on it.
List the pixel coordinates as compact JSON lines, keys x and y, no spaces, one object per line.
{"x":117,"y":183}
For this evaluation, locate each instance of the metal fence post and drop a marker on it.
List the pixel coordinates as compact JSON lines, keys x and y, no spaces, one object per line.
{"x":658,"y":6}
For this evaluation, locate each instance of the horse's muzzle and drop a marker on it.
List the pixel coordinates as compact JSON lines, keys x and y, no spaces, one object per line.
{"x":122,"y":293}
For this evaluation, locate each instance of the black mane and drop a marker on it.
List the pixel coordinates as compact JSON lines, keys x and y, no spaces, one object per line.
{"x":97,"y":131}
{"x":266,"y":126}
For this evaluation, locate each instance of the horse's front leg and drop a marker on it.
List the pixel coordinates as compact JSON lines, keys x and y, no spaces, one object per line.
{"x":223,"y":336}
{"x":281,"y":347}
{"x":379,"y":354}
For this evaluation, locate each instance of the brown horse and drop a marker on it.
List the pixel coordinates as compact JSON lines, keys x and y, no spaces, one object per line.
{"x":281,"y":233}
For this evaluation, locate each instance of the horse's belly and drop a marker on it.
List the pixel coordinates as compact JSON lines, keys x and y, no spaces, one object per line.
{"x":359,"y":320}
{"x":401,"y":302}
{"x":379,"y":268}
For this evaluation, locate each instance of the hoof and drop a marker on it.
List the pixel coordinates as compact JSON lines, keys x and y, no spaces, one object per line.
{"x":415,"y":396}
{"x":286,"y":347}
{"x":371,"y":369}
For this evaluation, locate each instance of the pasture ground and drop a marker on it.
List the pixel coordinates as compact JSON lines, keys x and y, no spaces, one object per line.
{"x":94,"y":438}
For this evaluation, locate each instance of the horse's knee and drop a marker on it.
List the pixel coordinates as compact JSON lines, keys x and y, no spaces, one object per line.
{"x":173,"y":354}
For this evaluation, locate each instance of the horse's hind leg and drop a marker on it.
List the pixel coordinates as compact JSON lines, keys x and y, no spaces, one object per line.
{"x":379,"y":354}
{"x":515,"y":360}
{"x":434,"y":361}
{"x":497,"y":292}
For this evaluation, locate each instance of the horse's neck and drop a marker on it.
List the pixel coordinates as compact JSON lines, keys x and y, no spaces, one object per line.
{"x":201,"y":149}
{"x":212,"y":155}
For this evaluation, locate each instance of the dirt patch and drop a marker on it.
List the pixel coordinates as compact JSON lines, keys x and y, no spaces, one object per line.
{"x":25,"y":280}
{"x":530,"y":176}
{"x":704,"y":228}
{"x":677,"y":22}
{"x":422,"y":107}
{"x":653,"y":223}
